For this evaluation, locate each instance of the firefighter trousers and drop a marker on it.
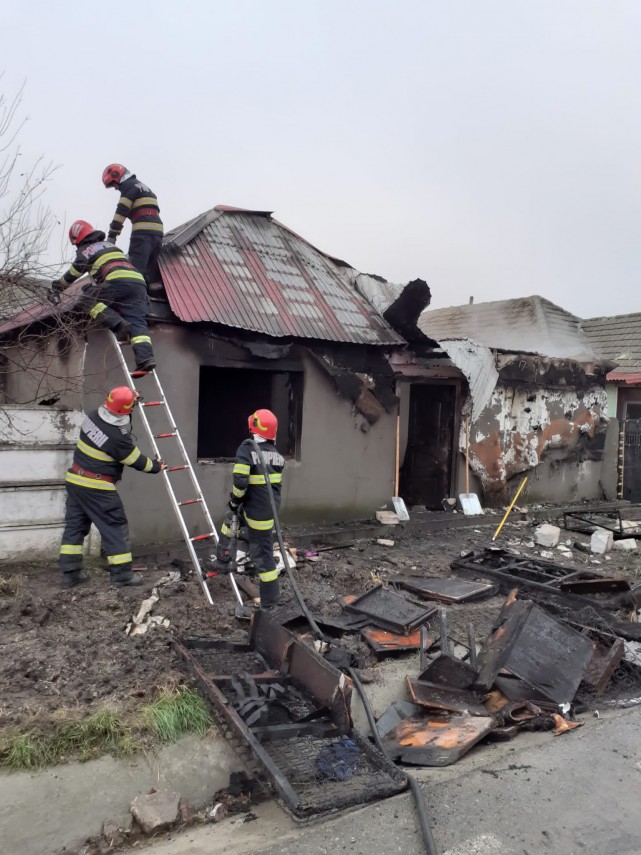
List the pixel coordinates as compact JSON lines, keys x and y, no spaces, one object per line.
{"x":261,"y":554}
{"x":103,"y":508}
{"x":144,"y":250}
{"x":110,"y":303}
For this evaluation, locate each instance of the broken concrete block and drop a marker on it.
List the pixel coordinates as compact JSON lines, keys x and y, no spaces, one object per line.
{"x":628,"y":544}
{"x":547,"y":554}
{"x":156,"y":811}
{"x":547,"y":535}
{"x":387,"y":517}
{"x":382,"y":541}
{"x":601,"y":541}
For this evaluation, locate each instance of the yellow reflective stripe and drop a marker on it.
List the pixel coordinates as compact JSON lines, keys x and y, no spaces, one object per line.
{"x":125,"y":201}
{"x":141,"y":339}
{"x":125,"y":274}
{"x":97,"y":309}
{"x":150,"y":227}
{"x":119,"y":218}
{"x":71,"y":549}
{"x":238,"y":492}
{"x":123,"y":558}
{"x":131,"y":458}
{"x":146,"y":200}
{"x":269,"y":575}
{"x":117,"y":255}
{"x":149,"y":465}
{"x":274,"y":478}
{"x":224,"y":529}
{"x":93,"y":452}
{"x":260,"y":525}
{"x":241,"y":469}
{"x":73,"y":271}
{"x":94,"y":484}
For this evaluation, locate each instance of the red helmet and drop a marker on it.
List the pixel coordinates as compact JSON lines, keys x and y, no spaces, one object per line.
{"x":120,"y":401}
{"x":113,"y":174}
{"x":79,"y":231}
{"x":263,"y":423}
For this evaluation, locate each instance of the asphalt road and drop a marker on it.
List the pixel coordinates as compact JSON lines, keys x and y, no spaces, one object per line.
{"x":575,"y":794}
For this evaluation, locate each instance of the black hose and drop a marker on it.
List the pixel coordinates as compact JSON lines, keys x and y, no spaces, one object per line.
{"x":419,"y":799}
{"x":301,"y":602}
{"x":417,"y":793}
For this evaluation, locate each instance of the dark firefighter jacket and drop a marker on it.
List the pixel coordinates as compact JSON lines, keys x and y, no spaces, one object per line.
{"x":102,"y":260}
{"x":249,"y":484}
{"x":105,"y":449}
{"x":139,"y":204}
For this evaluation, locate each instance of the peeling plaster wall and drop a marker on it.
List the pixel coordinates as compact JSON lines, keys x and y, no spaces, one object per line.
{"x":556,"y":436}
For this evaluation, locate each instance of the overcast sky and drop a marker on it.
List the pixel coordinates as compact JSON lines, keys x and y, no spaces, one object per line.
{"x":491,"y":147}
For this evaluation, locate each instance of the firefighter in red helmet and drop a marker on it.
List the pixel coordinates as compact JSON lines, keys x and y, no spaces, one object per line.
{"x":116,"y":297}
{"x":139,"y":204}
{"x":105,"y":446}
{"x":250,"y":499}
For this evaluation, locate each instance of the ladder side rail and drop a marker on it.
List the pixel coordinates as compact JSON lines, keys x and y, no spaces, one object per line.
{"x":170,"y":490}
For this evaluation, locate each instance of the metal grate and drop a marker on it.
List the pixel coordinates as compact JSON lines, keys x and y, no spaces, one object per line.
{"x":374,"y":777}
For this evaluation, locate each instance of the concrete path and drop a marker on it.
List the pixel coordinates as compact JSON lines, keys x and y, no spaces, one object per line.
{"x":577,"y":794}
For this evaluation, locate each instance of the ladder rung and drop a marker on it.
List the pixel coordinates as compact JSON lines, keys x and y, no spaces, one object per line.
{"x":164,"y":436}
{"x":153,"y":403}
{"x":202,"y":536}
{"x":189,"y":502}
{"x":137,"y":374}
{"x":176,"y":468}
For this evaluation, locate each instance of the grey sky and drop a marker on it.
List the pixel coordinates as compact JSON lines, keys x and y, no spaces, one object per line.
{"x":492,"y":148}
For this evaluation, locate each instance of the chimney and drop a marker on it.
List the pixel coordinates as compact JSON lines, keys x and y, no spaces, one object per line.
{"x":471,"y":300}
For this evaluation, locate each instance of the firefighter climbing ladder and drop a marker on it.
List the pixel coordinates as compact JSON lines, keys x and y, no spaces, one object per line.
{"x":173,"y":435}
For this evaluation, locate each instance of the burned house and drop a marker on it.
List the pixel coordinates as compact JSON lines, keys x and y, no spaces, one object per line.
{"x":536,"y":399}
{"x":254,"y":316}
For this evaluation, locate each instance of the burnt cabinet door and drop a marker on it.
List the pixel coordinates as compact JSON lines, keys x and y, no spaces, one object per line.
{"x":427,"y":467}
{"x":632,"y":461}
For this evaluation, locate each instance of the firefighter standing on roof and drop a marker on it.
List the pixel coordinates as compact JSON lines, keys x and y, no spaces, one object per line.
{"x":104,"y":448}
{"x":250,"y":491}
{"x":139,"y":204}
{"x":117,"y":298}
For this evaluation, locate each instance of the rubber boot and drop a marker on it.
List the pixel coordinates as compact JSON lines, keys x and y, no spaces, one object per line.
{"x":269,"y":594}
{"x":72,"y":578}
{"x":126,"y":580}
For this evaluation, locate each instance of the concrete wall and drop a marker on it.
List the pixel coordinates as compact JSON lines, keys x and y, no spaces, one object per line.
{"x":346,"y":467}
{"x":555,"y":436}
{"x":36,"y":444}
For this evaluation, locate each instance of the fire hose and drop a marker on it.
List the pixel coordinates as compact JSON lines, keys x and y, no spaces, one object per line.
{"x":417,"y":793}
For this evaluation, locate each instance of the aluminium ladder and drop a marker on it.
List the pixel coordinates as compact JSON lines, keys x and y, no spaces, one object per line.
{"x":173,"y":433}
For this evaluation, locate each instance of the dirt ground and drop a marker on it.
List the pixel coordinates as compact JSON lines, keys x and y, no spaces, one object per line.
{"x":68,"y":649}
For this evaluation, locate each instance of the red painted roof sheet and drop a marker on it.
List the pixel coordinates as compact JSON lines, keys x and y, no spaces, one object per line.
{"x":630,"y":378}
{"x":246,"y":270}
{"x":45,"y":309}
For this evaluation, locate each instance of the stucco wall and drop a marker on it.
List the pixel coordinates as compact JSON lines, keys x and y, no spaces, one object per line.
{"x":346,"y":467}
{"x":555,"y":436}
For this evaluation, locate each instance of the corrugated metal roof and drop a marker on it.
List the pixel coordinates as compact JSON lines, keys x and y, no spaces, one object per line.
{"x":523,"y":325}
{"x":617,"y":338}
{"x":40,"y":311}
{"x":246,"y":270}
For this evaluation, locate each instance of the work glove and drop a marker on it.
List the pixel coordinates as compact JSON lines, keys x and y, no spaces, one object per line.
{"x":163,"y":465}
{"x":55,"y":292}
{"x":234,"y":504}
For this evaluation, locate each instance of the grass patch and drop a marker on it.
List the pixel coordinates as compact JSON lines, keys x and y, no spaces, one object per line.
{"x":177,"y":712}
{"x":174,"y":713}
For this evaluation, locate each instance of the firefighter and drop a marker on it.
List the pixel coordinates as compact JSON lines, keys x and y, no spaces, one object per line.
{"x":249,"y":492}
{"x":139,"y":204}
{"x":117,"y":298}
{"x":104,"y":448}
